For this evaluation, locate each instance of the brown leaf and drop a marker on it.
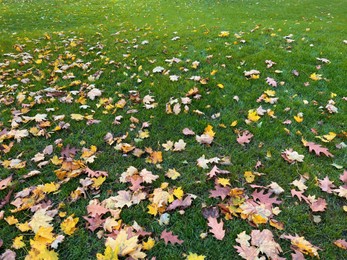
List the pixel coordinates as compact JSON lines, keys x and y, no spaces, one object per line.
{"x":216,"y":228}
{"x":208,"y":212}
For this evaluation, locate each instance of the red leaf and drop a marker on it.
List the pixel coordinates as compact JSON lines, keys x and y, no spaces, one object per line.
{"x":94,"y":223}
{"x":245,"y":138}
{"x":300,"y":195}
{"x":96,"y":209}
{"x":216,"y":170}
{"x":219,"y":192}
{"x":216,"y":228}
{"x":170,"y":238}
{"x":319,"y":205}
{"x":326,"y":185}
{"x":318,"y":149}
{"x":265,"y":198}
{"x":180,"y":203}
{"x":343,"y":177}
{"x":94,"y":174}
{"x":272,"y":82}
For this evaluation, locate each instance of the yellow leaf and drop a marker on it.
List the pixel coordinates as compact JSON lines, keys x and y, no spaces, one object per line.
{"x":152,"y":209}
{"x":149,"y":244}
{"x":327,"y":138}
{"x":213,"y":72}
{"x":249,"y":176}
{"x":40,"y":219}
{"x":172,"y":174}
{"x":224,"y":34}
{"x":38,"y":61}
{"x":234,"y":123}
{"x":270,"y":93}
{"x":255,"y":76}
{"x":253,"y":116}
{"x":44,"y":235}
{"x":209,"y":131}
{"x":77,"y":117}
{"x":315,"y":76}
{"x":258,"y":219}
{"x":18,"y":242}
{"x":97,"y":182}
{"x":50,"y":187}
{"x":178,"y":192}
{"x":223,"y":181}
{"x":344,"y":208}
{"x":23,"y":227}
{"x":109,"y":254}
{"x":69,"y":225}
{"x":11,"y":220}
{"x":220,"y":85}
{"x":299,"y":118}
{"x":193,"y":256}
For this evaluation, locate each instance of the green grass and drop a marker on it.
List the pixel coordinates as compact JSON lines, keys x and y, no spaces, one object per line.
{"x":318,"y":28}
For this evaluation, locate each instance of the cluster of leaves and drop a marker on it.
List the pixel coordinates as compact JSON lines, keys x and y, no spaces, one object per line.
{"x":73,"y":70}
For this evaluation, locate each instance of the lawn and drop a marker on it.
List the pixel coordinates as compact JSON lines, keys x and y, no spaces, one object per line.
{"x":173,"y":129}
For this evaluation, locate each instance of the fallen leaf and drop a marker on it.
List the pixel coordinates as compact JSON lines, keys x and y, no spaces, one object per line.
{"x":216,"y":228}
{"x":169,"y":237}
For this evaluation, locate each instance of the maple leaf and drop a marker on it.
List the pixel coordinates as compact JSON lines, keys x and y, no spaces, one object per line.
{"x":126,"y":245}
{"x":18,"y":242}
{"x":95,"y":92}
{"x":341,"y":191}
{"x":179,"y":146}
{"x":326,"y":185}
{"x":266,"y":244}
{"x":216,"y":228}
{"x":272,"y":82}
{"x":169,"y":237}
{"x":123,"y":199}
{"x":147,"y":176}
{"x":302,"y":245}
{"x":244,"y":138}
{"x":172,"y":174}
{"x":318,"y":149}
{"x":68,"y":226}
{"x":40,"y":219}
